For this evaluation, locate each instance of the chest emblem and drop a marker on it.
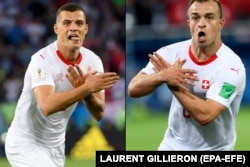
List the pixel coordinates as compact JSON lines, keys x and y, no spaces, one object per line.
{"x":58,"y":77}
{"x":205,"y":84}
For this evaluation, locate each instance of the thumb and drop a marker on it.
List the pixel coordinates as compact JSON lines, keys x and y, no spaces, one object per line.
{"x":182,"y":62}
{"x":90,"y":71}
{"x":179,"y":63}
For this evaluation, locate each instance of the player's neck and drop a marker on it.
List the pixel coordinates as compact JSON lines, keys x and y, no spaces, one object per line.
{"x":69,"y":54}
{"x":204,"y":53}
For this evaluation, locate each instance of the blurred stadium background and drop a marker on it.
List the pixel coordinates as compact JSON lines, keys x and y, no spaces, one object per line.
{"x":151,"y":24}
{"x":25,"y":27}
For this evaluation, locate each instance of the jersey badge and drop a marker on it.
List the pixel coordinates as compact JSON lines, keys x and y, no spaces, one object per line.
{"x":227,"y":90}
{"x":40,"y":74}
{"x":205,"y":84}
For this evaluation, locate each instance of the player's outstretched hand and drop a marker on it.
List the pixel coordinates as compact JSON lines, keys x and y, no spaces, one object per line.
{"x":173,"y":75}
{"x":93,"y":80}
{"x":99,"y":81}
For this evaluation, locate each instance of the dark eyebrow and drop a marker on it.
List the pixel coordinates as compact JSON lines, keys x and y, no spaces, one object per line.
{"x":209,"y":14}
{"x":206,"y":14}
{"x":67,"y":20}
{"x":80,"y":21}
{"x":194,"y":13}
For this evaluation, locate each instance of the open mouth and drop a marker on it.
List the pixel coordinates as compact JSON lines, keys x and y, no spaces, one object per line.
{"x":74,"y":37}
{"x":201,"y":36}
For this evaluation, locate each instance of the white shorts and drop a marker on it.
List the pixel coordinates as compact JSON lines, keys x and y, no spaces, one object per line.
{"x":22,"y":154}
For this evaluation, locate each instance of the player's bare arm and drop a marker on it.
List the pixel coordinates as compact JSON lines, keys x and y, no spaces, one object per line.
{"x":95,"y":102}
{"x":204,"y":111}
{"x":143,"y":84}
{"x":51,"y":101}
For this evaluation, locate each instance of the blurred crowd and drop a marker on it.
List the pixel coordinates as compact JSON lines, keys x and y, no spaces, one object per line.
{"x":174,"y":12}
{"x":27,"y":25}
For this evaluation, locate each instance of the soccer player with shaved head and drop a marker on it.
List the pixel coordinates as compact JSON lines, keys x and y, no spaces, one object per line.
{"x":207,"y":80}
{"x":57,"y":78}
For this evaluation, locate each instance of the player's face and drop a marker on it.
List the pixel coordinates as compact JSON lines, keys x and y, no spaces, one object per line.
{"x":205,"y":23}
{"x":71,"y":29}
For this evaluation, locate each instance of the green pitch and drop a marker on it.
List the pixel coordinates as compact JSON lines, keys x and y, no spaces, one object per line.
{"x":144,"y":131}
{"x":69,"y":163}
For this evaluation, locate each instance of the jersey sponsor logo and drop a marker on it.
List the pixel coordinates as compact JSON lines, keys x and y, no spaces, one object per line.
{"x":205,"y":84}
{"x":40,"y":74}
{"x":235,"y":70}
{"x":43,"y":57}
{"x":227,"y":90}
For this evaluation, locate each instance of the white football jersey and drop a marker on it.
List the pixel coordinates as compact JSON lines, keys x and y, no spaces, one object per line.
{"x":47,"y":67}
{"x":221,"y":78}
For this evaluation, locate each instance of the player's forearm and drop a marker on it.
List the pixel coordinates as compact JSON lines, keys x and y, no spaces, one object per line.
{"x":142,"y":85}
{"x":95,"y":104}
{"x":60,"y":101}
{"x":202,"y":110}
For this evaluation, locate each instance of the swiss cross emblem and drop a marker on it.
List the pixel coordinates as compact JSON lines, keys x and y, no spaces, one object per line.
{"x":205,"y":84}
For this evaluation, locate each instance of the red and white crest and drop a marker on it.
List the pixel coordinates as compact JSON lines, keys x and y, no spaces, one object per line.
{"x":205,"y":84}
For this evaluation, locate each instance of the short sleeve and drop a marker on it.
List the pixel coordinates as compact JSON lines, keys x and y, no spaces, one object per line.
{"x":40,"y":72}
{"x":227,"y":84}
{"x":97,"y":64}
{"x":167,"y":53}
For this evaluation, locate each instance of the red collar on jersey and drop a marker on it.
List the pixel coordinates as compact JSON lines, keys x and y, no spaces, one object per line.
{"x":59,"y":54}
{"x":193,"y":58}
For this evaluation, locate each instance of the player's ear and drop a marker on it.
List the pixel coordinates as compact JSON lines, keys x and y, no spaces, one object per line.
{"x":55,"y":28}
{"x":222,"y":23}
{"x":188,"y":22}
{"x":86,"y":28}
